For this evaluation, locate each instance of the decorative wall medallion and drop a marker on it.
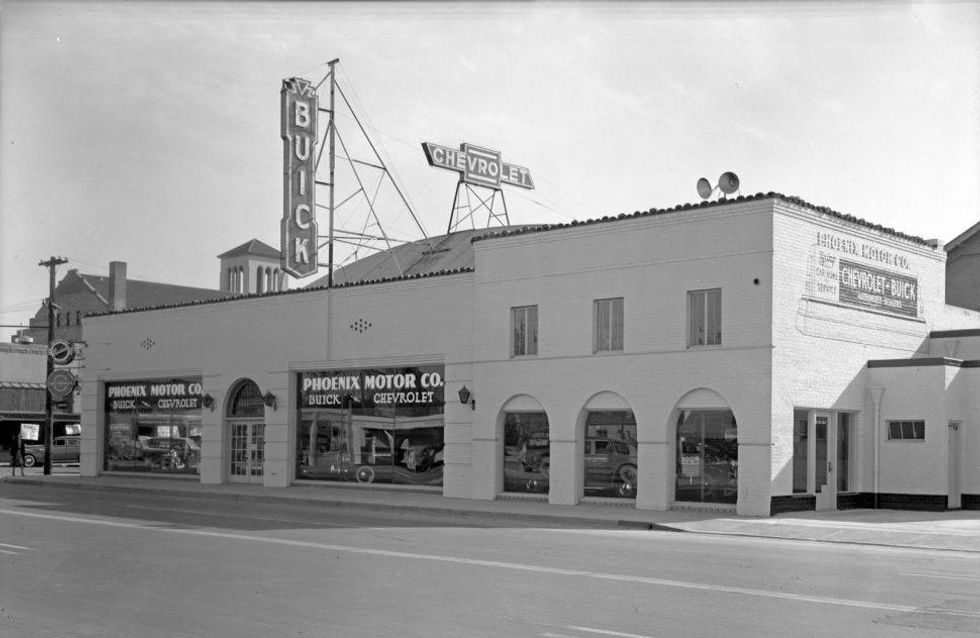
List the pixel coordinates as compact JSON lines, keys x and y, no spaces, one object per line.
{"x":147,"y":343}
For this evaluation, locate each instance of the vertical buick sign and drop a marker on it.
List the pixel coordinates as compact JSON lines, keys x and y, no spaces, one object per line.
{"x":298,"y":131}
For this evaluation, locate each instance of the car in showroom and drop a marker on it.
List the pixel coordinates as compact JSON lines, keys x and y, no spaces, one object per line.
{"x":64,"y":449}
{"x":610,"y":463}
{"x":171,"y":453}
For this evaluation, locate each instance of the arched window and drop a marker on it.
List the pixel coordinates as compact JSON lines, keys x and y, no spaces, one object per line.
{"x":57,"y":319}
{"x":527,"y":452}
{"x":610,"y":453}
{"x":268,"y":280}
{"x":67,"y":318}
{"x":246,"y":401}
{"x":242,"y":287}
{"x":707,"y":456}
{"x":78,"y":318}
{"x":259,"y":281}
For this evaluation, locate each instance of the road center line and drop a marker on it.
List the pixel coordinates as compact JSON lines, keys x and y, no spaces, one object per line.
{"x":607,"y":632}
{"x":935,"y":575}
{"x":560,"y":571}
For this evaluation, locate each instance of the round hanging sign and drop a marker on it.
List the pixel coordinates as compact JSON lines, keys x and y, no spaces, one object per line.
{"x":61,"y":383}
{"x":62,"y":352}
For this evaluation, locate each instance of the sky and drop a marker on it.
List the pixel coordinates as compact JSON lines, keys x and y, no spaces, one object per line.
{"x":148,"y":132}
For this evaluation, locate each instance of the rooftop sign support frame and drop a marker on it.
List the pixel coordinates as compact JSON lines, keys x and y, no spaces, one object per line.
{"x":478,"y":168}
{"x":300,"y":242}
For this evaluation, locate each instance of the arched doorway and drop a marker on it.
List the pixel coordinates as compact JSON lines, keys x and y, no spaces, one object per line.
{"x":706,"y":459}
{"x":245,"y":425}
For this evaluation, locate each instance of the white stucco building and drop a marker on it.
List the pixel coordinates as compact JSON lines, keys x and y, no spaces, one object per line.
{"x":761,"y":354}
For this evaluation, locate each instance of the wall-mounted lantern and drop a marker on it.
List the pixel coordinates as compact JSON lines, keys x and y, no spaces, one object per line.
{"x":465,"y":396}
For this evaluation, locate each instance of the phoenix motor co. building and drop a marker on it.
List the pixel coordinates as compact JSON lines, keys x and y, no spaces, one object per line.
{"x":757,"y":354}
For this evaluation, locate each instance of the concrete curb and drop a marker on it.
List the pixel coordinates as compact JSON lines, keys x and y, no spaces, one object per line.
{"x":461,"y":512}
{"x":833,"y":541}
{"x":445,"y":512}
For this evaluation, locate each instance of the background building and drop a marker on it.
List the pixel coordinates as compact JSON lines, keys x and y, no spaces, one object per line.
{"x":23,"y":364}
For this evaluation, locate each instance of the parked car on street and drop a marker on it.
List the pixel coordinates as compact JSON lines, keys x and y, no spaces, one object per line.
{"x":64,"y":449}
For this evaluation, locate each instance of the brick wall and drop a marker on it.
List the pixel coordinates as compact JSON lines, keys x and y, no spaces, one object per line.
{"x":821,"y":347}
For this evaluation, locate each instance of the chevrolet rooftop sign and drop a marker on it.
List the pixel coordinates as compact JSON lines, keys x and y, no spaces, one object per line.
{"x":478,"y":166}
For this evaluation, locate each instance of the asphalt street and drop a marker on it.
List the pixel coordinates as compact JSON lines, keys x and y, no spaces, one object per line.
{"x":77,"y":563}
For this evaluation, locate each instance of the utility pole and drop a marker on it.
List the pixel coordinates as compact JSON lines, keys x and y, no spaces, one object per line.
{"x":332,"y":131}
{"x":51,"y":264}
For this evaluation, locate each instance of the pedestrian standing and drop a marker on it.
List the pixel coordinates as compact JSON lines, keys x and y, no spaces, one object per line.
{"x":19,"y":454}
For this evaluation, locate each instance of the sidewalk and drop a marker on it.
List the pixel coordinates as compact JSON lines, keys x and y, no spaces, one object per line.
{"x":954,"y":530}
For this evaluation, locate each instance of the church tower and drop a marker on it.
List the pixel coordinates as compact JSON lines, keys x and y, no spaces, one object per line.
{"x":252,"y":268}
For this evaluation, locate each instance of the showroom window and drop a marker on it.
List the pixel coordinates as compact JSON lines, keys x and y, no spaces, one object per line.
{"x":527,"y":452}
{"x":906,"y":430}
{"x":704,"y":317}
{"x":372,"y":425}
{"x":524,"y":331}
{"x":608,"y":321}
{"x":609,"y":453}
{"x":707,"y":457}
{"x":154,"y":426}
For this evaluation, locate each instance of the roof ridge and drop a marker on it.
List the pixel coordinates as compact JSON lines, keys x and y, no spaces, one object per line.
{"x":238,"y":297}
{"x":706,"y":204}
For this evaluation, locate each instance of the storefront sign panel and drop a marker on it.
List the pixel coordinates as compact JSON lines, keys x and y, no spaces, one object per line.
{"x":870,"y":287}
{"x":155,"y":395}
{"x":298,"y":229}
{"x":420,"y":387}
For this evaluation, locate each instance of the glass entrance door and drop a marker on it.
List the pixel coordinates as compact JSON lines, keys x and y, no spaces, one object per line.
{"x":825,"y":446}
{"x":247,"y":451}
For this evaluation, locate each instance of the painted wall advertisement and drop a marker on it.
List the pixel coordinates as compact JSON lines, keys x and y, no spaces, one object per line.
{"x":855,"y":273}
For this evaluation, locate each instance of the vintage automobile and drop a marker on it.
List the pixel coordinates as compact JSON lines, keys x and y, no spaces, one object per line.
{"x":64,"y":449}
{"x":171,"y":452}
{"x":609,"y":460}
{"x":535,"y":453}
{"x":422,"y":457}
{"x":338,"y":465}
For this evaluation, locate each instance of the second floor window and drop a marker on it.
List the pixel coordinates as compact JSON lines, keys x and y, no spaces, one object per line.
{"x":704,"y":317}
{"x":524,"y":331}
{"x":608,"y":317}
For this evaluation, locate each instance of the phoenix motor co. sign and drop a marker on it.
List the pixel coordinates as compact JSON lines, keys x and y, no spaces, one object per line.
{"x":421,"y":387}
{"x":478,"y":166}
{"x":846,"y":270}
{"x":299,"y":131}
{"x":158,"y":395}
